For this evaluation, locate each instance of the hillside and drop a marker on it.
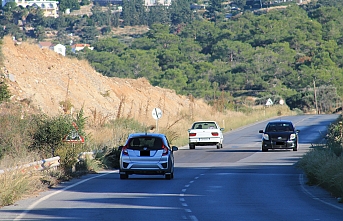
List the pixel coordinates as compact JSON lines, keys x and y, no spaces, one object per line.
{"x":45,"y":80}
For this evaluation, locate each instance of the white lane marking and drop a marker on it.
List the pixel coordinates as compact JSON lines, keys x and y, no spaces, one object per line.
{"x":57,"y":192}
{"x":193,"y":218}
{"x":183,"y":200}
{"x":301,"y":181}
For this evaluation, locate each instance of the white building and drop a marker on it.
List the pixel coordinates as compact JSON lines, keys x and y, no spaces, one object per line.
{"x":50,"y":7}
{"x":61,"y":49}
{"x":155,"y":2}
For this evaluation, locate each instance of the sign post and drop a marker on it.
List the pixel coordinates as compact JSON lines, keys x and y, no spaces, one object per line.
{"x":156,"y":114}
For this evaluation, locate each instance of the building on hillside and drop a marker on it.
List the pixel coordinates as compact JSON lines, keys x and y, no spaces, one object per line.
{"x":146,"y":2}
{"x":155,"y":2}
{"x":61,"y":49}
{"x":78,"y":47}
{"x":50,"y":7}
{"x":45,"y":44}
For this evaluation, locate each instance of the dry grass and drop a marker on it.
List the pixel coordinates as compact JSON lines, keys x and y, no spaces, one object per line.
{"x":19,"y":184}
{"x":176,"y":128}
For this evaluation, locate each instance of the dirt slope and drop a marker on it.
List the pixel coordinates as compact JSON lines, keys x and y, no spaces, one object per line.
{"x":43,"y":79}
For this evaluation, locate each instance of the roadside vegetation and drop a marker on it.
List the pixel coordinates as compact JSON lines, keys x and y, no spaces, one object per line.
{"x":323,"y":164}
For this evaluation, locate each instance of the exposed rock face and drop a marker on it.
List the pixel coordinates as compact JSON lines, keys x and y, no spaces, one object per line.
{"x":46,"y":80}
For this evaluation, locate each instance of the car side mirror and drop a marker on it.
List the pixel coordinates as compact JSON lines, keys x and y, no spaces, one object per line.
{"x":222,"y":129}
{"x":260,"y":131}
{"x":298,"y":131}
{"x":175,"y":148}
{"x":120,"y":148}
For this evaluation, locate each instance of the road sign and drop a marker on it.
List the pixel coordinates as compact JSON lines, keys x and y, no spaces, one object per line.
{"x":269,"y":102}
{"x":74,"y":136}
{"x":156,"y":113}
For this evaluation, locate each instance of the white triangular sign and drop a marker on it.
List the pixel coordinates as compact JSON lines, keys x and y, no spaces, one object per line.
{"x":269,"y":102}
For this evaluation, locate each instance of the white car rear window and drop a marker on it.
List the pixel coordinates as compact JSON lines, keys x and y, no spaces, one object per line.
{"x":204,"y":125}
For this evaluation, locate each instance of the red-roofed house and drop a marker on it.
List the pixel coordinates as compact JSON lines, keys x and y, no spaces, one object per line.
{"x":78,"y":47}
{"x":45,"y":44}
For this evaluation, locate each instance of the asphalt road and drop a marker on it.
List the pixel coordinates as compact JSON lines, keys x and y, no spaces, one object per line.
{"x":238,"y":182}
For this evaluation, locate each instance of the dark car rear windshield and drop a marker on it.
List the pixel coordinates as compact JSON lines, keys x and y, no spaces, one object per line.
{"x":279,"y":127}
{"x":151,"y":143}
{"x":204,"y":125}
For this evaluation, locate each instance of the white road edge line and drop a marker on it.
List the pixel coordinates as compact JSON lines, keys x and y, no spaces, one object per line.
{"x":57,"y":192}
{"x":301,"y":181}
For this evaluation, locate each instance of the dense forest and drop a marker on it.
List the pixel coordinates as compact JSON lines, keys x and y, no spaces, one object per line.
{"x":292,"y":54}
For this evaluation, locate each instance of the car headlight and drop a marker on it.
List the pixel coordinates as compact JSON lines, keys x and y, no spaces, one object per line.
{"x":292,"y":137}
{"x":266,"y":136}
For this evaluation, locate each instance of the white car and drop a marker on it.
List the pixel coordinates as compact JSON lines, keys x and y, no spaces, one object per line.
{"x":205,"y":133}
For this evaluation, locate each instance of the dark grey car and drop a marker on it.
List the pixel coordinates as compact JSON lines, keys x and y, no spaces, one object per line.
{"x":147,"y":153}
{"x":279,"y":134}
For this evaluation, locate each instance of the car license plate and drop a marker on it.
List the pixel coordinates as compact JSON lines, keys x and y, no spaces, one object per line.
{"x":204,"y":139}
{"x":145,"y":153}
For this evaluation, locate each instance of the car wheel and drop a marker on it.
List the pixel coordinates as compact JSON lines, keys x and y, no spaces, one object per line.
{"x":124,"y":176}
{"x":221,"y":145}
{"x":168,"y":176}
{"x":218,"y":145}
{"x":295,"y":149}
{"x":264,"y":149}
{"x":191,"y":146}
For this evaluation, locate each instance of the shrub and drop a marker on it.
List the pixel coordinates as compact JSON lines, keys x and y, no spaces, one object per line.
{"x":16,"y":128}
{"x":15,"y":184}
{"x":69,"y":153}
{"x":322,"y":167}
{"x":4,"y":92}
{"x":50,"y":133}
{"x":111,"y":159}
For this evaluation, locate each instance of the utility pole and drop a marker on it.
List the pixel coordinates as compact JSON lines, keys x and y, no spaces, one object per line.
{"x":315,"y":95}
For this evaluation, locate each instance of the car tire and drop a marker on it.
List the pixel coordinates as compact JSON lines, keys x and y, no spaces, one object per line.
{"x":168,"y":176}
{"x":191,"y":146}
{"x":218,"y":145}
{"x":264,"y":149}
{"x":295,"y":149}
{"x":124,"y":176}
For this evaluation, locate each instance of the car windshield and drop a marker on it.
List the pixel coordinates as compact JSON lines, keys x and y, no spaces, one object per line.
{"x":204,"y":125}
{"x":279,"y":127}
{"x":151,"y":143}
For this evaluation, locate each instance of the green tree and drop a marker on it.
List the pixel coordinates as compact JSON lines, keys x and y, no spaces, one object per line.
{"x":111,"y":45}
{"x":68,"y":4}
{"x":174,"y":79}
{"x":180,"y":12}
{"x":158,"y":14}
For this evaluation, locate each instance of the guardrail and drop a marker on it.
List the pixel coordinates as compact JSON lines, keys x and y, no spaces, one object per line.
{"x":46,"y":164}
{"x":37,"y":165}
